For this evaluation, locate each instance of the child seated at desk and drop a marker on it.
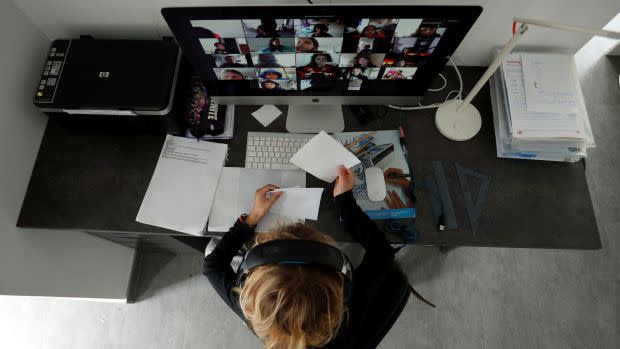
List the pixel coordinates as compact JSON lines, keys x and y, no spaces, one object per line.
{"x":295,"y":306}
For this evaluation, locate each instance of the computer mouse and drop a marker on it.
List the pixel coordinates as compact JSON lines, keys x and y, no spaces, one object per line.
{"x":375,"y":184}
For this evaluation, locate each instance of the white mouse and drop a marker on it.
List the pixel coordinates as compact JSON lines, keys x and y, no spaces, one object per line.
{"x":375,"y":184}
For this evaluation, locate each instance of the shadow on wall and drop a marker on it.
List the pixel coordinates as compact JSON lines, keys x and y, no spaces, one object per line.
{"x":156,"y":271}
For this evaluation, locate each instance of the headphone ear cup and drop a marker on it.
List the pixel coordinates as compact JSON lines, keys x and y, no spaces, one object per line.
{"x":241,"y":278}
{"x":346,"y":290}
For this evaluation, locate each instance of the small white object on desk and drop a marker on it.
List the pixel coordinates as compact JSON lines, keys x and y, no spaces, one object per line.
{"x":375,"y":184}
{"x":322,"y":155}
{"x":266,"y":114}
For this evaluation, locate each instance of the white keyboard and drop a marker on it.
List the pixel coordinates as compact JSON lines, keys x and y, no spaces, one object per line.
{"x":273,"y":150}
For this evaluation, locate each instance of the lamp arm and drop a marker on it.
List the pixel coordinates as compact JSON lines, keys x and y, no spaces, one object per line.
{"x":570,"y":28}
{"x":494,"y":65}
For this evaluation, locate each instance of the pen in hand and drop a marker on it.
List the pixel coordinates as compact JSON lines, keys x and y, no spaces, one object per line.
{"x":398,"y":175}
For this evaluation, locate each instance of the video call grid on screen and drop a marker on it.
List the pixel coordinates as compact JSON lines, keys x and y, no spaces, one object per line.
{"x":320,"y":50}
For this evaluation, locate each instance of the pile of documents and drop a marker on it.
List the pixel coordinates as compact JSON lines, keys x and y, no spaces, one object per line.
{"x":538,"y":109}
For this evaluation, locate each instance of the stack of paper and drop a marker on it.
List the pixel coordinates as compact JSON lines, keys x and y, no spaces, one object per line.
{"x":538,"y":109}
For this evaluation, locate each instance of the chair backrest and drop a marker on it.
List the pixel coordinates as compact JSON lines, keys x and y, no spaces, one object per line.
{"x":384,"y":312}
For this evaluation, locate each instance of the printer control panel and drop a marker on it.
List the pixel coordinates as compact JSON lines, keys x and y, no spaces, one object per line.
{"x":50,"y":75}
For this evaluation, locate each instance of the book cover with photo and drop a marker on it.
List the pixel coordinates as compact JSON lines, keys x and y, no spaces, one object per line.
{"x":381,"y":149}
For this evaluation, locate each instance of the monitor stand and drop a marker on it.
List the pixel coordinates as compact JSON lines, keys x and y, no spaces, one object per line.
{"x":313,"y":118}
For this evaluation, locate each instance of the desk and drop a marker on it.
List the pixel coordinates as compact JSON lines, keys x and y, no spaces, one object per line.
{"x":95,"y":181}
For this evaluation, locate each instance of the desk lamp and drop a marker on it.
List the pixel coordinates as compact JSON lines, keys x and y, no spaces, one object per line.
{"x":459,"y":120}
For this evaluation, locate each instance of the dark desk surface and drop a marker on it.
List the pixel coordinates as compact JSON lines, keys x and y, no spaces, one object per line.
{"x":95,"y":181}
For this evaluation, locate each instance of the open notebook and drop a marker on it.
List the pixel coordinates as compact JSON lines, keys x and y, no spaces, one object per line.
{"x":235,"y":195}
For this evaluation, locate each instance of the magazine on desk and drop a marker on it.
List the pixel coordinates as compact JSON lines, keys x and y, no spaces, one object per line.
{"x":381,"y":149}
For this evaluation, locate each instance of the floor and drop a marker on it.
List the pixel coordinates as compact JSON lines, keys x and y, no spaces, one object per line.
{"x":486,"y":297}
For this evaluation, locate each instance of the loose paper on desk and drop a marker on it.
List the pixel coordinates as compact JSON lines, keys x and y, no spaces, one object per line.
{"x":235,"y":195}
{"x":299,"y":202}
{"x":183,"y":185}
{"x":266,"y":114}
{"x":549,"y":83}
{"x":322,"y":155}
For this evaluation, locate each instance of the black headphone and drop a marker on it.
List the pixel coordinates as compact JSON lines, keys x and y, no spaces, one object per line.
{"x":298,"y":252}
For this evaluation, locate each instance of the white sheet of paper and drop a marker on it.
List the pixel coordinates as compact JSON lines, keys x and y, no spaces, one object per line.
{"x":235,"y":195}
{"x":549,"y":84}
{"x":322,"y":155}
{"x":299,"y":202}
{"x":266,"y":114}
{"x":181,"y":191}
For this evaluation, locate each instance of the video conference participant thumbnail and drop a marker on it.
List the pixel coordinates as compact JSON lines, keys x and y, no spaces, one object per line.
{"x":310,"y":65}
{"x":219,"y":46}
{"x":399,"y":73}
{"x":268,"y":60}
{"x":361,"y":60}
{"x":235,"y":73}
{"x":322,"y":45}
{"x":271,"y":45}
{"x":278,"y":78}
{"x":230,"y":61}
{"x":318,"y":27}
{"x":422,"y":39}
{"x":268,"y":28}
{"x":369,"y":35}
{"x":358,"y":73}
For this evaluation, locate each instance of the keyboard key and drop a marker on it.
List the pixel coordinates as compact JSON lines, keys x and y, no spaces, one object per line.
{"x":251,"y":148}
{"x":267,"y":166}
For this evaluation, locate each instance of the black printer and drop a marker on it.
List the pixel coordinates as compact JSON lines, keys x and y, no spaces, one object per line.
{"x":109,"y":78}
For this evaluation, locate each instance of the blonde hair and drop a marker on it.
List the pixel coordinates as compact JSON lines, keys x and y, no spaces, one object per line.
{"x":292,"y":306}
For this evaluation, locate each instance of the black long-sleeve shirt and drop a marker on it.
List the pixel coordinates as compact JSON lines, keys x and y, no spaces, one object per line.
{"x":361,"y":328}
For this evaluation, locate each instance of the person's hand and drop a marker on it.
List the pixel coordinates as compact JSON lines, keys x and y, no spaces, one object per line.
{"x":398,"y":181}
{"x":345,"y":180}
{"x":262,"y":204}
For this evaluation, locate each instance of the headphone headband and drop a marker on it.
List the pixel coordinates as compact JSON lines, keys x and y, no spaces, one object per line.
{"x":297,"y":252}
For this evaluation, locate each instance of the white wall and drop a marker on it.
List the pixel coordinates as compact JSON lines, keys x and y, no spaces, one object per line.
{"x":141,"y":18}
{"x":41,"y":262}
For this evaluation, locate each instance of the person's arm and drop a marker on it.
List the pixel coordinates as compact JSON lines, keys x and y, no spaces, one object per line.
{"x":217,"y":264}
{"x":356,"y":221}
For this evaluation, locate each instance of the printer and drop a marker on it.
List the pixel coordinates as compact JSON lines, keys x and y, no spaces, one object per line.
{"x":109,"y":78}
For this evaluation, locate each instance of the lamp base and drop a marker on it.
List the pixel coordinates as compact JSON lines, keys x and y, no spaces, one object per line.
{"x":457,"y":126}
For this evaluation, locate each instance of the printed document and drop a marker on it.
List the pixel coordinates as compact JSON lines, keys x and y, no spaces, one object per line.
{"x":322,"y":155}
{"x":181,"y":191}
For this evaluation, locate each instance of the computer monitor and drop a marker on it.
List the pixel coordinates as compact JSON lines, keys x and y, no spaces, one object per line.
{"x":316,"y":58}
